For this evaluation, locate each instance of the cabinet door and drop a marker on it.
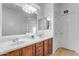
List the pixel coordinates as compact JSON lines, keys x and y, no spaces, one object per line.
{"x":28,"y":51}
{"x":33,"y":50}
{"x":46,"y":47}
{"x":39,"y":49}
{"x":13,"y":53}
{"x":50,"y":46}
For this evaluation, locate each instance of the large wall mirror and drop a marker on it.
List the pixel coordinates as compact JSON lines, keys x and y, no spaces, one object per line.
{"x":15,"y":21}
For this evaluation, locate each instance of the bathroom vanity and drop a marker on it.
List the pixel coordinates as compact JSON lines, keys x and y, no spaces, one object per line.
{"x":19,"y":28}
{"x":39,"y":48}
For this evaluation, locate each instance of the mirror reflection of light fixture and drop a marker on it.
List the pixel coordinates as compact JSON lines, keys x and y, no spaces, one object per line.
{"x":29,"y":7}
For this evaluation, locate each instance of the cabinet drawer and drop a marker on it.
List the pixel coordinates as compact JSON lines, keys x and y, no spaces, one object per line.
{"x":39,"y":52}
{"x":39,"y":49}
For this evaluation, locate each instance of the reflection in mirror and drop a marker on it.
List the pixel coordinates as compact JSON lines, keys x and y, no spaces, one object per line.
{"x":44,"y":23}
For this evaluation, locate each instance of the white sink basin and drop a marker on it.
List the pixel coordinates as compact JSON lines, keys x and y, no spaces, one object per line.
{"x":17,"y":43}
{"x":25,"y":40}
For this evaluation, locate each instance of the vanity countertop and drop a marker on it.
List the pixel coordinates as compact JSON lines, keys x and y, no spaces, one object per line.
{"x":6,"y":47}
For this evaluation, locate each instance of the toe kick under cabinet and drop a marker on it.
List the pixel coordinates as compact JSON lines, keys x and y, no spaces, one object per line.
{"x":43,"y":48}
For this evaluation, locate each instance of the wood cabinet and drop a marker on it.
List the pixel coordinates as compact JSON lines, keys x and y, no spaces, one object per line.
{"x":33,"y":50}
{"x":13,"y":53}
{"x":43,"y":48}
{"x":50,"y":46}
{"x":39,"y":49}
{"x":46,"y":47}
{"x":28,"y":51}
